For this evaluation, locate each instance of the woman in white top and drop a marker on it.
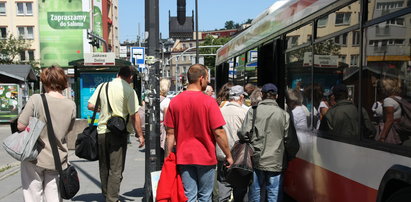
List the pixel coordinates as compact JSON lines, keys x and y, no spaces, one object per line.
{"x":164,"y":102}
{"x":392,"y":111}
{"x":300,"y":112}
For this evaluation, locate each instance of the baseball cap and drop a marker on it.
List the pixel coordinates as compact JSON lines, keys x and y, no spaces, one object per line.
{"x":269,"y":87}
{"x":237,"y":90}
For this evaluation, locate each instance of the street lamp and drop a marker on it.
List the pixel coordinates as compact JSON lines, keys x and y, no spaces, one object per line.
{"x":197,"y":59}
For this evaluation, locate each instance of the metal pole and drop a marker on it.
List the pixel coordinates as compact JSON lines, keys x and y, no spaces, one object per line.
{"x":178,"y":57}
{"x":152,"y":134}
{"x":197,"y":59}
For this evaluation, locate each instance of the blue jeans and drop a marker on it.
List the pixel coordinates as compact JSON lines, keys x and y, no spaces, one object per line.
{"x":198,"y":182}
{"x":271,"y":181}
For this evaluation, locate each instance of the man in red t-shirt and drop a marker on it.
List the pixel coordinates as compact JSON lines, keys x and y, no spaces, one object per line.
{"x":195,"y":123}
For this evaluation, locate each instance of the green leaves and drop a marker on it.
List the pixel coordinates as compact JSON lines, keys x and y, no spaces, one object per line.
{"x":11,"y":47}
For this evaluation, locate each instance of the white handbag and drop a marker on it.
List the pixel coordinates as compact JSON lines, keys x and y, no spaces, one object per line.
{"x":23,"y":145}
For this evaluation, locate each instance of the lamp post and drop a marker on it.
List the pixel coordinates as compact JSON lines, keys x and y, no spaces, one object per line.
{"x":197,"y":47}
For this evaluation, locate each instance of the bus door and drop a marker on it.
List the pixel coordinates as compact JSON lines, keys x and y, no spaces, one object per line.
{"x":271,"y":67}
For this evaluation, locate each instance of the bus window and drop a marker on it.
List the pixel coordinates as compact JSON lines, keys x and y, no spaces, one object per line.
{"x":339,"y":20}
{"x":239,"y":70}
{"x":298,"y":76}
{"x":299,"y":36}
{"x":251,"y":67}
{"x":378,"y":8}
{"x":387,"y":71}
{"x":336,"y":65}
{"x":231,"y":70}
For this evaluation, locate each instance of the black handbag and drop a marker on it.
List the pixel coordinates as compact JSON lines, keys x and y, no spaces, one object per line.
{"x":68,"y":184}
{"x":116,"y":124}
{"x":240,"y":174}
{"x":291,"y":144}
{"x":86,"y":145}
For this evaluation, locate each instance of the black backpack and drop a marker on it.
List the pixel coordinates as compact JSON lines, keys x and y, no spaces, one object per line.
{"x":403,"y":127}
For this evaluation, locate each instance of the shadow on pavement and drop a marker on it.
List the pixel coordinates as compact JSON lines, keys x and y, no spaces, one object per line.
{"x":139,"y":192}
{"x":89,"y":197}
{"x":92,"y":179}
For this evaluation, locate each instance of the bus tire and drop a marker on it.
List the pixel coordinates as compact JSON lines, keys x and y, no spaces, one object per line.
{"x":401,"y":195}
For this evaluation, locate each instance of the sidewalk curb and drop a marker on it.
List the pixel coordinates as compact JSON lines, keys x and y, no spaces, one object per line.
{"x":14,"y":167}
{"x":9,"y":170}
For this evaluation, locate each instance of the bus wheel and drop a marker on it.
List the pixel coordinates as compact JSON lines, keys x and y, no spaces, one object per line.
{"x":401,"y":195}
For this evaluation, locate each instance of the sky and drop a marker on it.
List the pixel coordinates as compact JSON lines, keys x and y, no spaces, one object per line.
{"x":212,"y":14}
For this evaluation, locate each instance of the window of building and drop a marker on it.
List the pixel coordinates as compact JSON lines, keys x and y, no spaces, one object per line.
{"x":343,"y":59}
{"x":292,"y":41}
{"x":339,"y":20}
{"x":184,"y":58}
{"x":2,"y":8}
{"x":26,"y":32}
{"x":184,"y":45}
{"x":3,"y":32}
{"x":299,"y":36}
{"x":396,"y":21}
{"x":354,"y":60}
{"x":341,"y":39}
{"x":24,"y":8}
{"x":27,"y":55}
{"x":389,"y":5}
{"x":322,"y":22}
{"x":23,"y":56}
{"x":356,"y":38}
{"x":395,"y":41}
{"x":342,"y":18}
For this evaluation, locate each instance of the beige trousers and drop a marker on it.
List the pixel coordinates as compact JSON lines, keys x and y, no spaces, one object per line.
{"x":39,"y":184}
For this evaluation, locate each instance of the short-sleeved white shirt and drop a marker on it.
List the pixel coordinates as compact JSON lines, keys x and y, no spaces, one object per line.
{"x":389,"y":102}
{"x":163,"y":105}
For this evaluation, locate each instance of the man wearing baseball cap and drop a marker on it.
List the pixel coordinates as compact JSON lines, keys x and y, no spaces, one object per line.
{"x":234,"y":114}
{"x":271,"y":127}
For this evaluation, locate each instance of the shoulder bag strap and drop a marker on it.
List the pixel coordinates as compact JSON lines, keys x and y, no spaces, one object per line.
{"x":51,"y":135}
{"x":108,"y":100}
{"x":93,"y":118}
{"x":253,"y":122}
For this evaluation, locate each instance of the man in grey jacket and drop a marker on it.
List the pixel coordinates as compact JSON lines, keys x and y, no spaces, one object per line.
{"x":271,"y":128}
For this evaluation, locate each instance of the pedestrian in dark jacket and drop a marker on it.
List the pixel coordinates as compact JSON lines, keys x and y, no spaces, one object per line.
{"x":342,"y":119}
{"x":270,"y":130}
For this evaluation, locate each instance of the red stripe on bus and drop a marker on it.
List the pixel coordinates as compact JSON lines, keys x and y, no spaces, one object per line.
{"x":306,"y":182}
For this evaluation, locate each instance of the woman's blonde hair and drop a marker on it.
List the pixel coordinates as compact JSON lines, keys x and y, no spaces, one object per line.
{"x":164,"y":87}
{"x":391,"y":86}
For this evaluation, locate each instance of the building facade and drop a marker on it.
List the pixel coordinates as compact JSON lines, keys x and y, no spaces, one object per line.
{"x":20,"y":19}
{"x":111,"y":26}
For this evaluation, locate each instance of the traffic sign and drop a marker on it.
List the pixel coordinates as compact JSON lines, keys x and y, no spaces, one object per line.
{"x":137,"y":55}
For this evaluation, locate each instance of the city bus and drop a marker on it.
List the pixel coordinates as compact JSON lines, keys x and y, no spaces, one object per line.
{"x":313,"y":45}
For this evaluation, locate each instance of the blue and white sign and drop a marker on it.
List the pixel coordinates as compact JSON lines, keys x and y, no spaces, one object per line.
{"x":88,"y":84}
{"x":137,"y":55}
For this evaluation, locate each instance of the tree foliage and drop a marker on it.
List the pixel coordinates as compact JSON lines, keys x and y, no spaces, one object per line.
{"x":231,"y":25}
{"x":209,"y":61}
{"x":11,"y":47}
